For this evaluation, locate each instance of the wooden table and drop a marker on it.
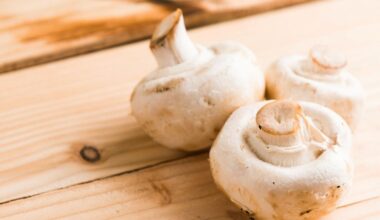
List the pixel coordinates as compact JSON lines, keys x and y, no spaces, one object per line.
{"x":55,"y":118}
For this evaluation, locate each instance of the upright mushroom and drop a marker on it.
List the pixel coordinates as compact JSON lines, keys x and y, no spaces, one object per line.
{"x":283,"y":159}
{"x":320,"y":77}
{"x":184,"y":103}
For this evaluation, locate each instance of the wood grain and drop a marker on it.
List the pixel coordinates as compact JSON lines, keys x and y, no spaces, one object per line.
{"x":367,"y":209}
{"x":180,"y":190}
{"x":46,"y":30}
{"x":49,"y":112}
{"x":44,"y":140}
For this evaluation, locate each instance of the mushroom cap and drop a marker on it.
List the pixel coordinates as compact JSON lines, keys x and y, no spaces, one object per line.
{"x":184,"y":106}
{"x":269,"y":191}
{"x":320,"y":78}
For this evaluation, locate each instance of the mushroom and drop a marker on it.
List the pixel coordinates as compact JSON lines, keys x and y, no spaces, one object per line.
{"x":320,"y":77}
{"x":283,"y":159}
{"x":184,"y":103}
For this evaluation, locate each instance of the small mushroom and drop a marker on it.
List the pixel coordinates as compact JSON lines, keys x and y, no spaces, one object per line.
{"x":283,"y":159}
{"x":184,"y":103}
{"x":320,"y":77}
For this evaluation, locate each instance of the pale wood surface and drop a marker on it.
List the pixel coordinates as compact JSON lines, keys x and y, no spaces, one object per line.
{"x":48,"y":111}
{"x":39,"y":31}
{"x":180,"y":190}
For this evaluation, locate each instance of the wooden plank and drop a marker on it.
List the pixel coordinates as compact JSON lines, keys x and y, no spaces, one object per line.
{"x":45,"y":30}
{"x":184,"y":187}
{"x":180,"y":190}
{"x":42,"y":140}
{"x":48,"y":112}
{"x":367,"y":209}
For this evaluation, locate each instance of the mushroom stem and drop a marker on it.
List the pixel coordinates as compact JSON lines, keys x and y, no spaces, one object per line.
{"x":325,"y":60}
{"x":284,"y":132}
{"x":170,"y":42}
{"x":279,"y":123}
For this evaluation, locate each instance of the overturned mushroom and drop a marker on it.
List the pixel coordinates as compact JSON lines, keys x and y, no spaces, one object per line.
{"x":184,"y":103}
{"x":283,"y":159}
{"x":320,"y":77}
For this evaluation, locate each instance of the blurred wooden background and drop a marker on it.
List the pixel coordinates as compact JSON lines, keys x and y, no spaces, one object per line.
{"x":54,"y":117}
{"x":44,"y":30}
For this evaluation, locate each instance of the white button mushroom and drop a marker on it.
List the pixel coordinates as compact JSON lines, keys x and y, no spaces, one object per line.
{"x":283,"y":159}
{"x":320,"y":78}
{"x":185,"y":102}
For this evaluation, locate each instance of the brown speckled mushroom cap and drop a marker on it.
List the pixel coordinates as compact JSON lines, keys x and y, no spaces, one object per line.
{"x":184,"y":103}
{"x":319,"y":77}
{"x":258,"y":173}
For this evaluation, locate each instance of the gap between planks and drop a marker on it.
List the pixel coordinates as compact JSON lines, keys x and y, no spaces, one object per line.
{"x":182,"y":189}
{"x":110,"y":176}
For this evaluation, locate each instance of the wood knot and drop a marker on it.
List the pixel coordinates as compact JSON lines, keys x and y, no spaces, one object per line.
{"x":90,"y":154}
{"x":162,"y":191}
